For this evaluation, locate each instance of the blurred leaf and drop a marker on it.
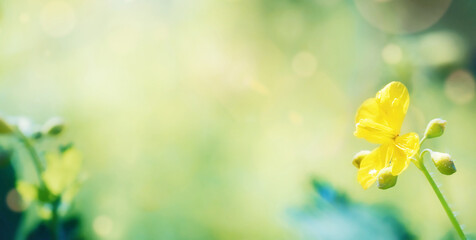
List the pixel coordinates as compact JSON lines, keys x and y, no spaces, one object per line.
{"x":5,"y":128}
{"x":333,"y":216}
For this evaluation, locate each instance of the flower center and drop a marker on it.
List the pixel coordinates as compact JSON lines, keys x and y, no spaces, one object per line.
{"x":396,"y":136}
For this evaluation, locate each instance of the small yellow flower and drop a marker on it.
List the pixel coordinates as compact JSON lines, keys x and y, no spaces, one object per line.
{"x":62,"y":170}
{"x":28,"y":191}
{"x":379,"y":120}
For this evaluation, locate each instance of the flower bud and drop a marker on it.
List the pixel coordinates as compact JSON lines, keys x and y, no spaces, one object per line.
{"x":435,"y":128}
{"x":23,"y":124}
{"x":53,"y":126}
{"x":443,"y":162}
{"x":65,"y":147}
{"x":385,"y":179}
{"x":37,"y":135}
{"x":359,"y":156}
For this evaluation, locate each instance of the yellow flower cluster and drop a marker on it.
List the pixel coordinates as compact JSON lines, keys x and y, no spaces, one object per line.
{"x":60,"y":179}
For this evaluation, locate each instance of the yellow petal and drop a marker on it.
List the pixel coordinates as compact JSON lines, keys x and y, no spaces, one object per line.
{"x":71,"y":161}
{"x":374,"y":132}
{"x":53,"y":174}
{"x":61,"y":171}
{"x":371,"y":165}
{"x":369,"y":110}
{"x":371,"y":124}
{"x":393,"y":100}
{"x":28,"y":191}
{"x":408,"y":143}
{"x":399,"y":161}
{"x":53,"y":180}
{"x":406,"y":146}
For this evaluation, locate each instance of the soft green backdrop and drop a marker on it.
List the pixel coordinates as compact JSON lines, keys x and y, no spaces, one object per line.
{"x":206,"y":119}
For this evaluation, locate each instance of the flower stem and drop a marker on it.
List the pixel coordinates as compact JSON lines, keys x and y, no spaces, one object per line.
{"x":32,"y":151}
{"x":55,"y":221}
{"x":422,"y":140}
{"x":442,"y":199}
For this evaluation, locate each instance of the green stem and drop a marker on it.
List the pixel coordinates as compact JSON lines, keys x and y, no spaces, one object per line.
{"x":55,"y":221}
{"x":426,"y":150}
{"x":32,"y":151}
{"x":442,"y":199}
{"x":422,"y":140}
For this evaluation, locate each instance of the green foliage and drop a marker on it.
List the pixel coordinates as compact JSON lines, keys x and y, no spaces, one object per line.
{"x":332,"y":215}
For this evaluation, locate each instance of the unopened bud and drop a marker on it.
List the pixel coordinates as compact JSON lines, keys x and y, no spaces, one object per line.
{"x":37,"y":135}
{"x":359,"y":156}
{"x":435,"y":128}
{"x":53,"y":126}
{"x":385,"y":179}
{"x":443,"y":163}
{"x":66,"y":147}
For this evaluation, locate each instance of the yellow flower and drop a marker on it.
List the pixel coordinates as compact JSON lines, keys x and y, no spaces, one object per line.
{"x":379,"y":120}
{"x":27,"y":191}
{"x":62,"y":170}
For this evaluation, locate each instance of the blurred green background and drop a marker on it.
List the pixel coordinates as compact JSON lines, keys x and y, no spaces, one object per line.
{"x":206,"y":119}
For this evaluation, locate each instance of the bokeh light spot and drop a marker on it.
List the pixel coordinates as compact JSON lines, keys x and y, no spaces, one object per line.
{"x":460,"y":87}
{"x":392,"y":54}
{"x":14,"y":201}
{"x":402,"y":16}
{"x":58,"y":18}
{"x":304,"y":64}
{"x":441,"y":48}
